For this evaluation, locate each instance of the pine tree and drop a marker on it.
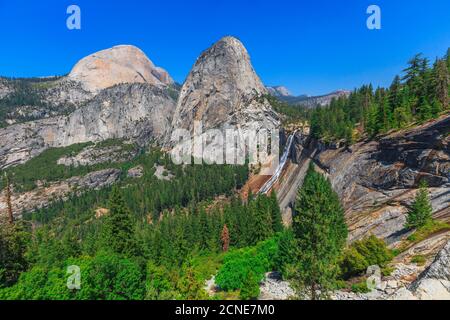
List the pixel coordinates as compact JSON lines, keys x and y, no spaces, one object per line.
{"x":421,"y":210}
{"x":402,"y":114}
{"x":320,"y":233}
{"x":436,"y":108}
{"x":118,"y":228}
{"x":277,"y":224}
{"x":13,"y":245}
{"x":203,"y":228}
{"x":395,"y":93}
{"x":441,"y":82}
{"x":250,"y":287}
{"x":413,"y":78}
{"x":372,"y":125}
{"x":8,"y":199}
{"x":189,"y":285}
{"x":262,"y":220}
{"x":447,"y":58}
{"x":425,"y":111}
{"x":225,"y":237}
{"x":413,"y":71}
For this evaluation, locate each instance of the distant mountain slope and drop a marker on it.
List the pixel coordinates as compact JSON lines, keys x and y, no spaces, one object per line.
{"x":279,"y":91}
{"x":304,"y":100}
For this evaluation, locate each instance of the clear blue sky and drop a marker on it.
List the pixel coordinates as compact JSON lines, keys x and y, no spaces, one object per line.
{"x":311,"y":46}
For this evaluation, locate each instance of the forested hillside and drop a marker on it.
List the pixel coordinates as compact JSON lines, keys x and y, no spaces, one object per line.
{"x":25,"y":100}
{"x":142,"y":228}
{"x":422,"y":93}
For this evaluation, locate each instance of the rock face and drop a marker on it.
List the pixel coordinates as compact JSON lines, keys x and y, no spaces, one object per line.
{"x":138,"y":112}
{"x":66,"y":92}
{"x":93,"y":155}
{"x":222,"y":90}
{"x":43,"y":196}
{"x":114,"y":93}
{"x":120,"y":64}
{"x":434,"y":282}
{"x":377,"y":180}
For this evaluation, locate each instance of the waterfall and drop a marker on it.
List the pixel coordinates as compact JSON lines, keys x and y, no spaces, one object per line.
{"x":269,"y":184}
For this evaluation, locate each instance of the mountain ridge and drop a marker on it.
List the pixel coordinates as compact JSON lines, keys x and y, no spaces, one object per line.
{"x":306,"y":100}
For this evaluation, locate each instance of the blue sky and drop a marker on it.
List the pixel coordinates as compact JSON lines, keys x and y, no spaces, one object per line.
{"x":310,"y":46}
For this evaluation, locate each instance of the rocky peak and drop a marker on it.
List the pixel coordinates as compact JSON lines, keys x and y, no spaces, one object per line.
{"x":279,"y":91}
{"x":120,"y":64}
{"x":223,"y":89}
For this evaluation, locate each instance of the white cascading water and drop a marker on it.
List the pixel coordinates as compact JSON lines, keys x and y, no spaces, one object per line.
{"x":269,"y":184}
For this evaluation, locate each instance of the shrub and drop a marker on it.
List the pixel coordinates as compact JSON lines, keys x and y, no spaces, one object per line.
{"x":284,"y":260}
{"x":428,"y":229}
{"x":387,"y":271}
{"x":362,"y":254}
{"x":419,"y":260}
{"x":238,"y":264}
{"x":421,"y":210}
{"x":250,"y":287}
{"x":360,"y":287}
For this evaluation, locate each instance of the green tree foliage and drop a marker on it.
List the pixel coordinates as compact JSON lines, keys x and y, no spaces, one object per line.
{"x":289,"y":112}
{"x":421,"y":94}
{"x":285,"y":258}
{"x":250,"y":287}
{"x":13,"y":244}
{"x":260,"y":211}
{"x":106,"y":276}
{"x":190,"y":286}
{"x":421,"y":210}
{"x":118,"y":226}
{"x":161,"y":224}
{"x":362,"y":254}
{"x":277,"y":224}
{"x":238,"y":264}
{"x":441,"y":82}
{"x":158,"y":284}
{"x":320,"y":233}
{"x":109,"y":276}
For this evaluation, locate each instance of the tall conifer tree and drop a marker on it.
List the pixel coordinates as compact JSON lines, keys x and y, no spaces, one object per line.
{"x":320,"y":234}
